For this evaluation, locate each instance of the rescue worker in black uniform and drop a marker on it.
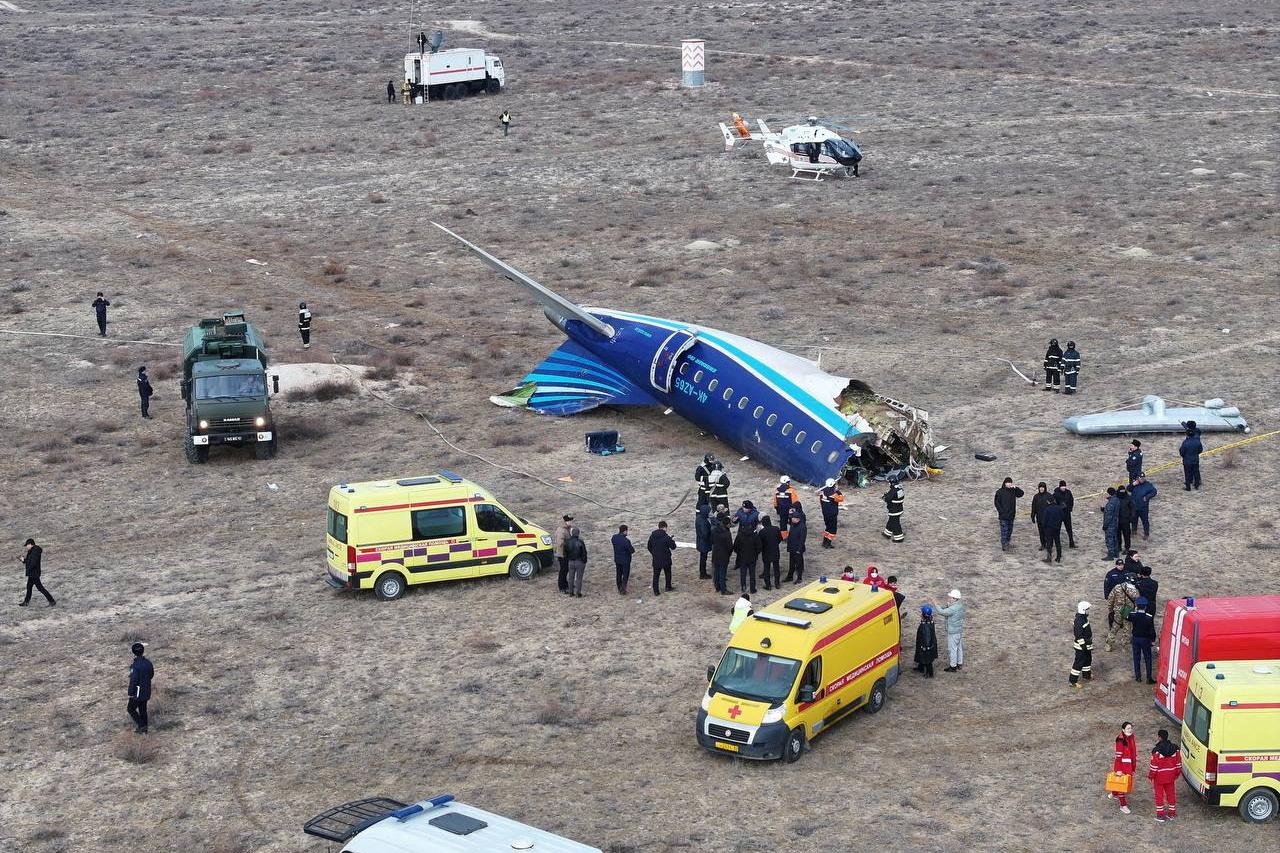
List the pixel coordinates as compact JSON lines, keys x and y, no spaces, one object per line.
{"x":718,"y":487}
{"x":893,"y":501}
{"x":1082,"y":665}
{"x":1070,"y":368}
{"x":701,"y":476}
{"x":1067,"y":501}
{"x":829,"y":500}
{"x":783,"y":497}
{"x":1053,"y":367}
{"x":145,"y":391}
{"x":304,"y":325}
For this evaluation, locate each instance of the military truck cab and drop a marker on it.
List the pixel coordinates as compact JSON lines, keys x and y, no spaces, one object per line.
{"x":225,"y":386}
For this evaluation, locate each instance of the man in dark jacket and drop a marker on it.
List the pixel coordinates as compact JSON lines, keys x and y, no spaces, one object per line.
{"x":1051,"y":528}
{"x":660,"y":546}
{"x":1007,"y":510}
{"x":746,"y":548}
{"x":796,"y":534}
{"x":1115,"y":576}
{"x":1147,"y":587}
{"x":1053,"y":366}
{"x":1111,"y":524}
{"x":1141,"y":493}
{"x":1144,"y":634}
{"x":145,"y":391}
{"x":1067,"y":501}
{"x":31,"y":564}
{"x":1082,"y":635}
{"x":1038,"y":501}
{"x":304,"y":324}
{"x":770,"y":553}
{"x":391,"y":92}
{"x":1133,"y":462}
{"x":622,"y":551}
{"x":140,"y":674}
{"x":702,"y":537}
{"x":1128,"y":514}
{"x":1190,"y":451}
{"x":721,"y":550}
{"x":100,"y":305}
{"x":926,"y":642}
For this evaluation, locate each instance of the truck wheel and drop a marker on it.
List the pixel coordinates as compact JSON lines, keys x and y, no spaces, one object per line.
{"x":523,"y":567}
{"x":451,"y":92}
{"x":493,"y":87}
{"x":875,"y":701}
{"x":197,"y":454}
{"x":1259,"y":805}
{"x":794,"y":747}
{"x":389,"y":586}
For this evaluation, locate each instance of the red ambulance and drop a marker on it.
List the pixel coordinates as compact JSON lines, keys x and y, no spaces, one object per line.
{"x":1212,"y":629}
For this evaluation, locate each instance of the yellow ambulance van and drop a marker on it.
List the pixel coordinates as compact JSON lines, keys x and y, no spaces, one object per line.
{"x":797,"y":667}
{"x":1231,"y":736}
{"x":387,"y":534}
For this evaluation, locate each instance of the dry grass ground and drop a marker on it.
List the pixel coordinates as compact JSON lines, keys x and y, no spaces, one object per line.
{"x":1017,"y":152}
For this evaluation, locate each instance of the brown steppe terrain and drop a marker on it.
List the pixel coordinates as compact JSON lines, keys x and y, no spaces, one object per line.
{"x":1102,"y":172}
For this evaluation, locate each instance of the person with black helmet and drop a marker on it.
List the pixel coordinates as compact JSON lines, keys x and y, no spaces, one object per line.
{"x":894,"y":499}
{"x":140,"y":674}
{"x":718,"y":486}
{"x":31,"y":565}
{"x":702,"y":476}
{"x":304,"y":324}
{"x":1070,"y":368}
{"x":1053,"y":367}
{"x":145,"y":391}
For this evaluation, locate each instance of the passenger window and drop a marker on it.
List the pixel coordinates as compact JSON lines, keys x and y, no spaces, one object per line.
{"x":439,"y":523}
{"x":832,"y":456}
{"x":742,"y":404}
{"x":758,"y":412}
{"x":817,"y":445}
{"x":813,"y":676}
{"x":800,"y":437}
{"x":697,"y":376}
{"x":684,"y":368}
{"x":771,"y":420}
{"x":338,"y":525}
{"x":786,"y":429}
{"x":713,"y":384}
{"x":728,"y":395}
{"x":490,"y":519}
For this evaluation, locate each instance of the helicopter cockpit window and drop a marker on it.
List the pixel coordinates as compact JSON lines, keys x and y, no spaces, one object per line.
{"x":840,"y":147}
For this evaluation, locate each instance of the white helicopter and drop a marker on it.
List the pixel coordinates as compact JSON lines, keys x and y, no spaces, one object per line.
{"x":810,"y":150}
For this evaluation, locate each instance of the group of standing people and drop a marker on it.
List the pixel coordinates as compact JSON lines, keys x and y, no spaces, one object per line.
{"x":1163,"y":770}
{"x":1050,"y":512}
{"x":1061,"y":368}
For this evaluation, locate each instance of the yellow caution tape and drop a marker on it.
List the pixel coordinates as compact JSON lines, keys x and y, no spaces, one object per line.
{"x":1167,"y":465}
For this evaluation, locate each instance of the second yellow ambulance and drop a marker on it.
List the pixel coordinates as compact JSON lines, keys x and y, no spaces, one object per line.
{"x":797,"y":667}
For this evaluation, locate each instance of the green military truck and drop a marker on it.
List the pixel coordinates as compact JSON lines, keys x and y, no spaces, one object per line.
{"x":224,"y":383}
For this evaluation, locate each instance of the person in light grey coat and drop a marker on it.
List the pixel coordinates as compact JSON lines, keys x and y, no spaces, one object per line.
{"x":953,"y":618}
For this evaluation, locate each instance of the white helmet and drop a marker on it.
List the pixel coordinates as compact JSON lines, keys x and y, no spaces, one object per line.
{"x":1083,"y":607}
{"x":830,"y":482}
{"x":783,"y":480}
{"x":955,"y":593}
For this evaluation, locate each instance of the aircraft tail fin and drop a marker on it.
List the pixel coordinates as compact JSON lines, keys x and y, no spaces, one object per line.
{"x":572,"y":380}
{"x":558,"y":309}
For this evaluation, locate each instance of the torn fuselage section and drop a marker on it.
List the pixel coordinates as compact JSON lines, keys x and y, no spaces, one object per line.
{"x":888,"y":437}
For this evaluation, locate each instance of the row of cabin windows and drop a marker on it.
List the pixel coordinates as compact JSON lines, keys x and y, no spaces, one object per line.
{"x":743,"y":402}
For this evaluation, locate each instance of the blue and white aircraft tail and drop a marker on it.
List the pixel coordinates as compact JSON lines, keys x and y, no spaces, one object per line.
{"x":778,"y":408}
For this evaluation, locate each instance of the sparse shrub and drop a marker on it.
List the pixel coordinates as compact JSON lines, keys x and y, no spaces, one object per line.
{"x":85,"y":438}
{"x":1229,"y":458}
{"x":303,"y":430}
{"x":552,"y":713}
{"x":323,"y":392}
{"x":241,"y":147}
{"x":376,"y":198}
{"x":164,"y":370}
{"x":484,"y":643}
{"x":382,"y":370}
{"x":211,"y":148}
{"x":136,"y":749}
{"x":334,"y":267}
{"x":55,"y":458}
{"x":173,"y":253}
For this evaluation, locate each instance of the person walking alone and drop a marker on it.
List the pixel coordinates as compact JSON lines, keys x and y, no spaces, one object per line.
{"x":140,"y":674}
{"x":894,"y":500}
{"x":575,"y":551}
{"x":30,"y":558}
{"x":304,"y":324}
{"x":145,"y":392}
{"x":1190,"y":451}
{"x":770,"y":553}
{"x":1082,"y":665}
{"x":391,"y":91}
{"x":1007,"y":510}
{"x":660,"y":546}
{"x":797,"y":532}
{"x":926,"y":642}
{"x":1125,"y":760}
{"x":622,"y":551}
{"x":1166,"y":767}
{"x":1067,"y":501}
{"x":100,"y":305}
{"x":505,"y":119}
{"x":953,"y":617}
{"x":562,"y":562}
{"x":1144,"y":636}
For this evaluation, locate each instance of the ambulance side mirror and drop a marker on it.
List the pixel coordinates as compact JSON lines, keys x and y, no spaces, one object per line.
{"x":806,"y":694}
{"x":711,"y":673}
{"x":275,"y":383}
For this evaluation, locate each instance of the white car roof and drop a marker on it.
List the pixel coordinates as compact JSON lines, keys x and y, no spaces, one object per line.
{"x":418,"y":834}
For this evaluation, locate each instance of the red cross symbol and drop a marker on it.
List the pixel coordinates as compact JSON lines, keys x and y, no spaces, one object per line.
{"x":734,"y":712}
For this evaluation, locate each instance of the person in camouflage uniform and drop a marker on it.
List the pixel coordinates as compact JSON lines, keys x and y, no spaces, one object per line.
{"x":1120,"y":604}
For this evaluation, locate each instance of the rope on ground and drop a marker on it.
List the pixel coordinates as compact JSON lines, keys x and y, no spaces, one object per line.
{"x":1164,"y":466}
{"x":90,"y":338}
{"x":550,"y":484}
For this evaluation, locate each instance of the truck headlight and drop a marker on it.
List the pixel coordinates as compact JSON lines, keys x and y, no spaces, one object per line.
{"x":773,"y":715}
{"x":546,"y":539}
{"x":204,"y":425}
{"x":706,"y":701}
{"x":260,"y":422}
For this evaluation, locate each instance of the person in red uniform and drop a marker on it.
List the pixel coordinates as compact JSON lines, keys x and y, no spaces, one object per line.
{"x":1166,"y":767}
{"x":873,"y":577}
{"x":1126,"y":760}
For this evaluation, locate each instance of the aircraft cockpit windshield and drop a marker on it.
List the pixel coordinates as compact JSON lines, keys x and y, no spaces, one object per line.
{"x":841,"y":148}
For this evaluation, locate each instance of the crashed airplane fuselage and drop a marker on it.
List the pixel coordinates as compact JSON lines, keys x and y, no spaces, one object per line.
{"x":780,"y":409}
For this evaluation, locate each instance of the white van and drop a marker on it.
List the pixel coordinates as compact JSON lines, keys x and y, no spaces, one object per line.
{"x":438,"y":825}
